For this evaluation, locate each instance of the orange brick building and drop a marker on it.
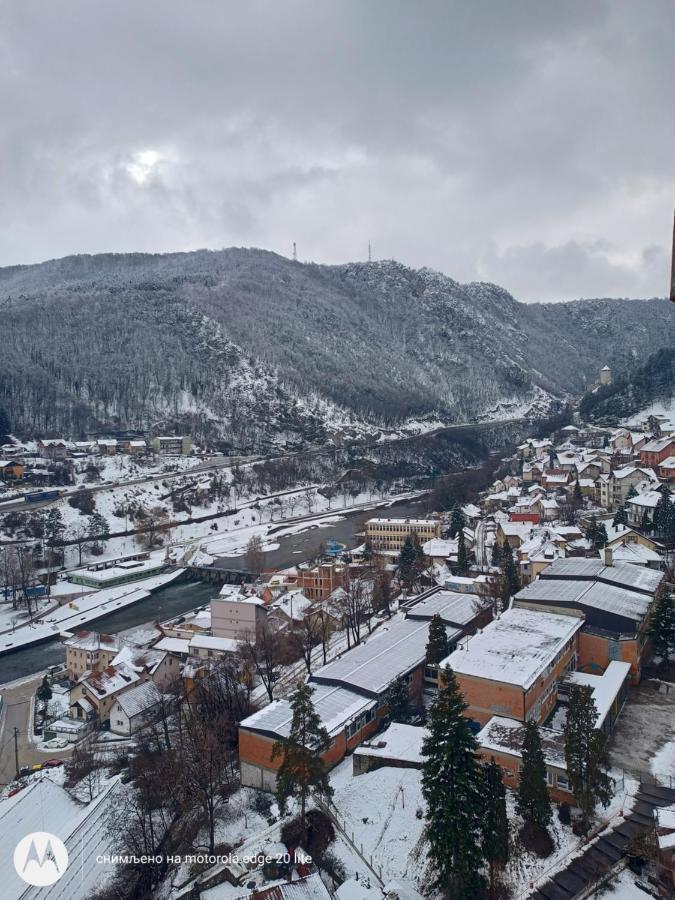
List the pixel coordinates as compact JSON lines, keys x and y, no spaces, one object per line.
{"x":615,"y":600}
{"x":349,"y":696}
{"x":511,"y":668}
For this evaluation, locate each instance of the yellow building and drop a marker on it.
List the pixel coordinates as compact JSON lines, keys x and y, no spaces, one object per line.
{"x":390,"y":534}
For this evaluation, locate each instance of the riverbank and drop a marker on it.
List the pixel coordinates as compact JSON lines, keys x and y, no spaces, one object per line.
{"x":84,"y":611}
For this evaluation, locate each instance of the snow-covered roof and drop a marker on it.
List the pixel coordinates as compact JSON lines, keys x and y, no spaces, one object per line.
{"x":110,"y":680}
{"x":516,"y":648}
{"x":595,"y":594}
{"x":210,"y":642}
{"x":309,"y":888}
{"x":293,"y":603}
{"x":174,"y":645}
{"x":605,"y":687}
{"x":335,"y":706}
{"x":633,"y":553}
{"x":92,"y":641}
{"x":502,"y":735}
{"x":413,"y":522}
{"x":371,"y":667}
{"x":453,"y":608}
{"x":636,"y":579}
{"x":139,"y":699}
{"x":139,"y":658}
{"x":398,"y":741}
{"x":657,"y":445}
{"x":648,"y":499}
{"x":440,"y":547}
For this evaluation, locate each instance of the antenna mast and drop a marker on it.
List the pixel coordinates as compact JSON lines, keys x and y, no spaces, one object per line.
{"x":370,"y":255}
{"x":295,"y":252}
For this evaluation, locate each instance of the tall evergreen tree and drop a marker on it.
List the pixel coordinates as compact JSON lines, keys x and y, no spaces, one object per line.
{"x":98,"y":529}
{"x":496,"y":553}
{"x":452,"y":788}
{"x":302,"y":771}
{"x":585,"y":753}
{"x":437,"y":643}
{"x":411,"y":561}
{"x":621,"y":516}
{"x":495,"y":824}
{"x":54,"y":528}
{"x":664,"y":514}
{"x":509,"y":570}
{"x":532,"y":800}
{"x":44,"y":692}
{"x":397,"y":700}
{"x":632,"y":492}
{"x":662,"y":627}
{"x":646,"y":525}
{"x":457,"y":521}
{"x":577,"y":496}
{"x":462,"y":555}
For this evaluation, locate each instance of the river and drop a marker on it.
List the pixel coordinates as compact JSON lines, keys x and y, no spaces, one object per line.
{"x":184,"y":595}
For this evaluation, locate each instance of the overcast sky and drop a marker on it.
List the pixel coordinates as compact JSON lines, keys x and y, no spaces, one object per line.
{"x":526,"y":143}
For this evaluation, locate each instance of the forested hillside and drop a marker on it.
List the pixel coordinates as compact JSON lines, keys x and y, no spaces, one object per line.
{"x":652,"y":382}
{"x":252,"y":347}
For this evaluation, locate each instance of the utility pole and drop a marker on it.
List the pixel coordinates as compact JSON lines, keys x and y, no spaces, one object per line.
{"x":295,"y":252}
{"x":16,"y":750}
{"x":370,"y":255}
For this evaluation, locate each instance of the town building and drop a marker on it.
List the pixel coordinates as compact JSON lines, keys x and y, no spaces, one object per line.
{"x":11,"y":470}
{"x":656,"y":451}
{"x":511,"y":668}
{"x":113,"y":572}
{"x":89,"y":651}
{"x":171,"y":445}
{"x":349,"y":695}
{"x":134,"y":708}
{"x":390,"y":534}
{"x":235,"y":615}
{"x":614,"y":600}
{"x":502,"y":739}
{"x":318,"y":582}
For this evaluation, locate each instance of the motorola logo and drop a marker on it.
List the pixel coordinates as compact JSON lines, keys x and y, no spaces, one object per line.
{"x":40,"y":858}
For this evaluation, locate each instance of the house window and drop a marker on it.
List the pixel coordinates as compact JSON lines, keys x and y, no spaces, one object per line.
{"x":549,"y":777}
{"x":562,"y":782}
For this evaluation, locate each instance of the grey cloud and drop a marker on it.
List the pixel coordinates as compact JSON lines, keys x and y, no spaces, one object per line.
{"x":474,"y":137}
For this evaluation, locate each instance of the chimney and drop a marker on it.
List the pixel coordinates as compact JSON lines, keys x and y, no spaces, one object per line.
{"x":609,"y":556}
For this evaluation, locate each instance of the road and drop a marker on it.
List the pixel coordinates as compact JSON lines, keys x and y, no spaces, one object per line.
{"x":16,"y":714}
{"x":228,"y":462}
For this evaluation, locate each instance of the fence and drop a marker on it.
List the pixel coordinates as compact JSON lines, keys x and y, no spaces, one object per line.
{"x":348,"y":834}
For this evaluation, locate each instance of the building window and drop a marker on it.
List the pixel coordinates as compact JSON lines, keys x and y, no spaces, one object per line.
{"x":562,"y":782}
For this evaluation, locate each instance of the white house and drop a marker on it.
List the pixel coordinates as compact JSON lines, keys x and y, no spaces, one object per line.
{"x":134,"y":708}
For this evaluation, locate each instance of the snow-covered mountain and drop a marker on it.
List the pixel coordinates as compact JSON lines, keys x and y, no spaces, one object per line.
{"x":254,"y":348}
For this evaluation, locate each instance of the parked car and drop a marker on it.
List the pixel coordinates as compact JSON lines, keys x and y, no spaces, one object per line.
{"x":56,"y":744}
{"x":36,"y":768}
{"x":52,"y":763}
{"x":15,"y":790}
{"x":25,"y":770}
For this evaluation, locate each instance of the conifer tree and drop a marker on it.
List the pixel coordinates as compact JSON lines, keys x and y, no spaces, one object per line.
{"x":302,"y":770}
{"x":406,"y":563}
{"x":452,"y":788}
{"x":585,"y":753}
{"x":437,"y":643}
{"x":457,"y":521}
{"x":44,"y":692}
{"x":462,"y":555}
{"x":532,"y":800}
{"x":397,"y":700}
{"x":496,"y":553}
{"x":98,"y":529}
{"x":632,"y":492}
{"x":509,"y":570}
{"x":646,"y":525}
{"x":664,"y":513}
{"x":621,"y":516}
{"x":662,"y":627}
{"x":577,"y":496}
{"x":495,"y":824}
{"x":54,"y":528}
